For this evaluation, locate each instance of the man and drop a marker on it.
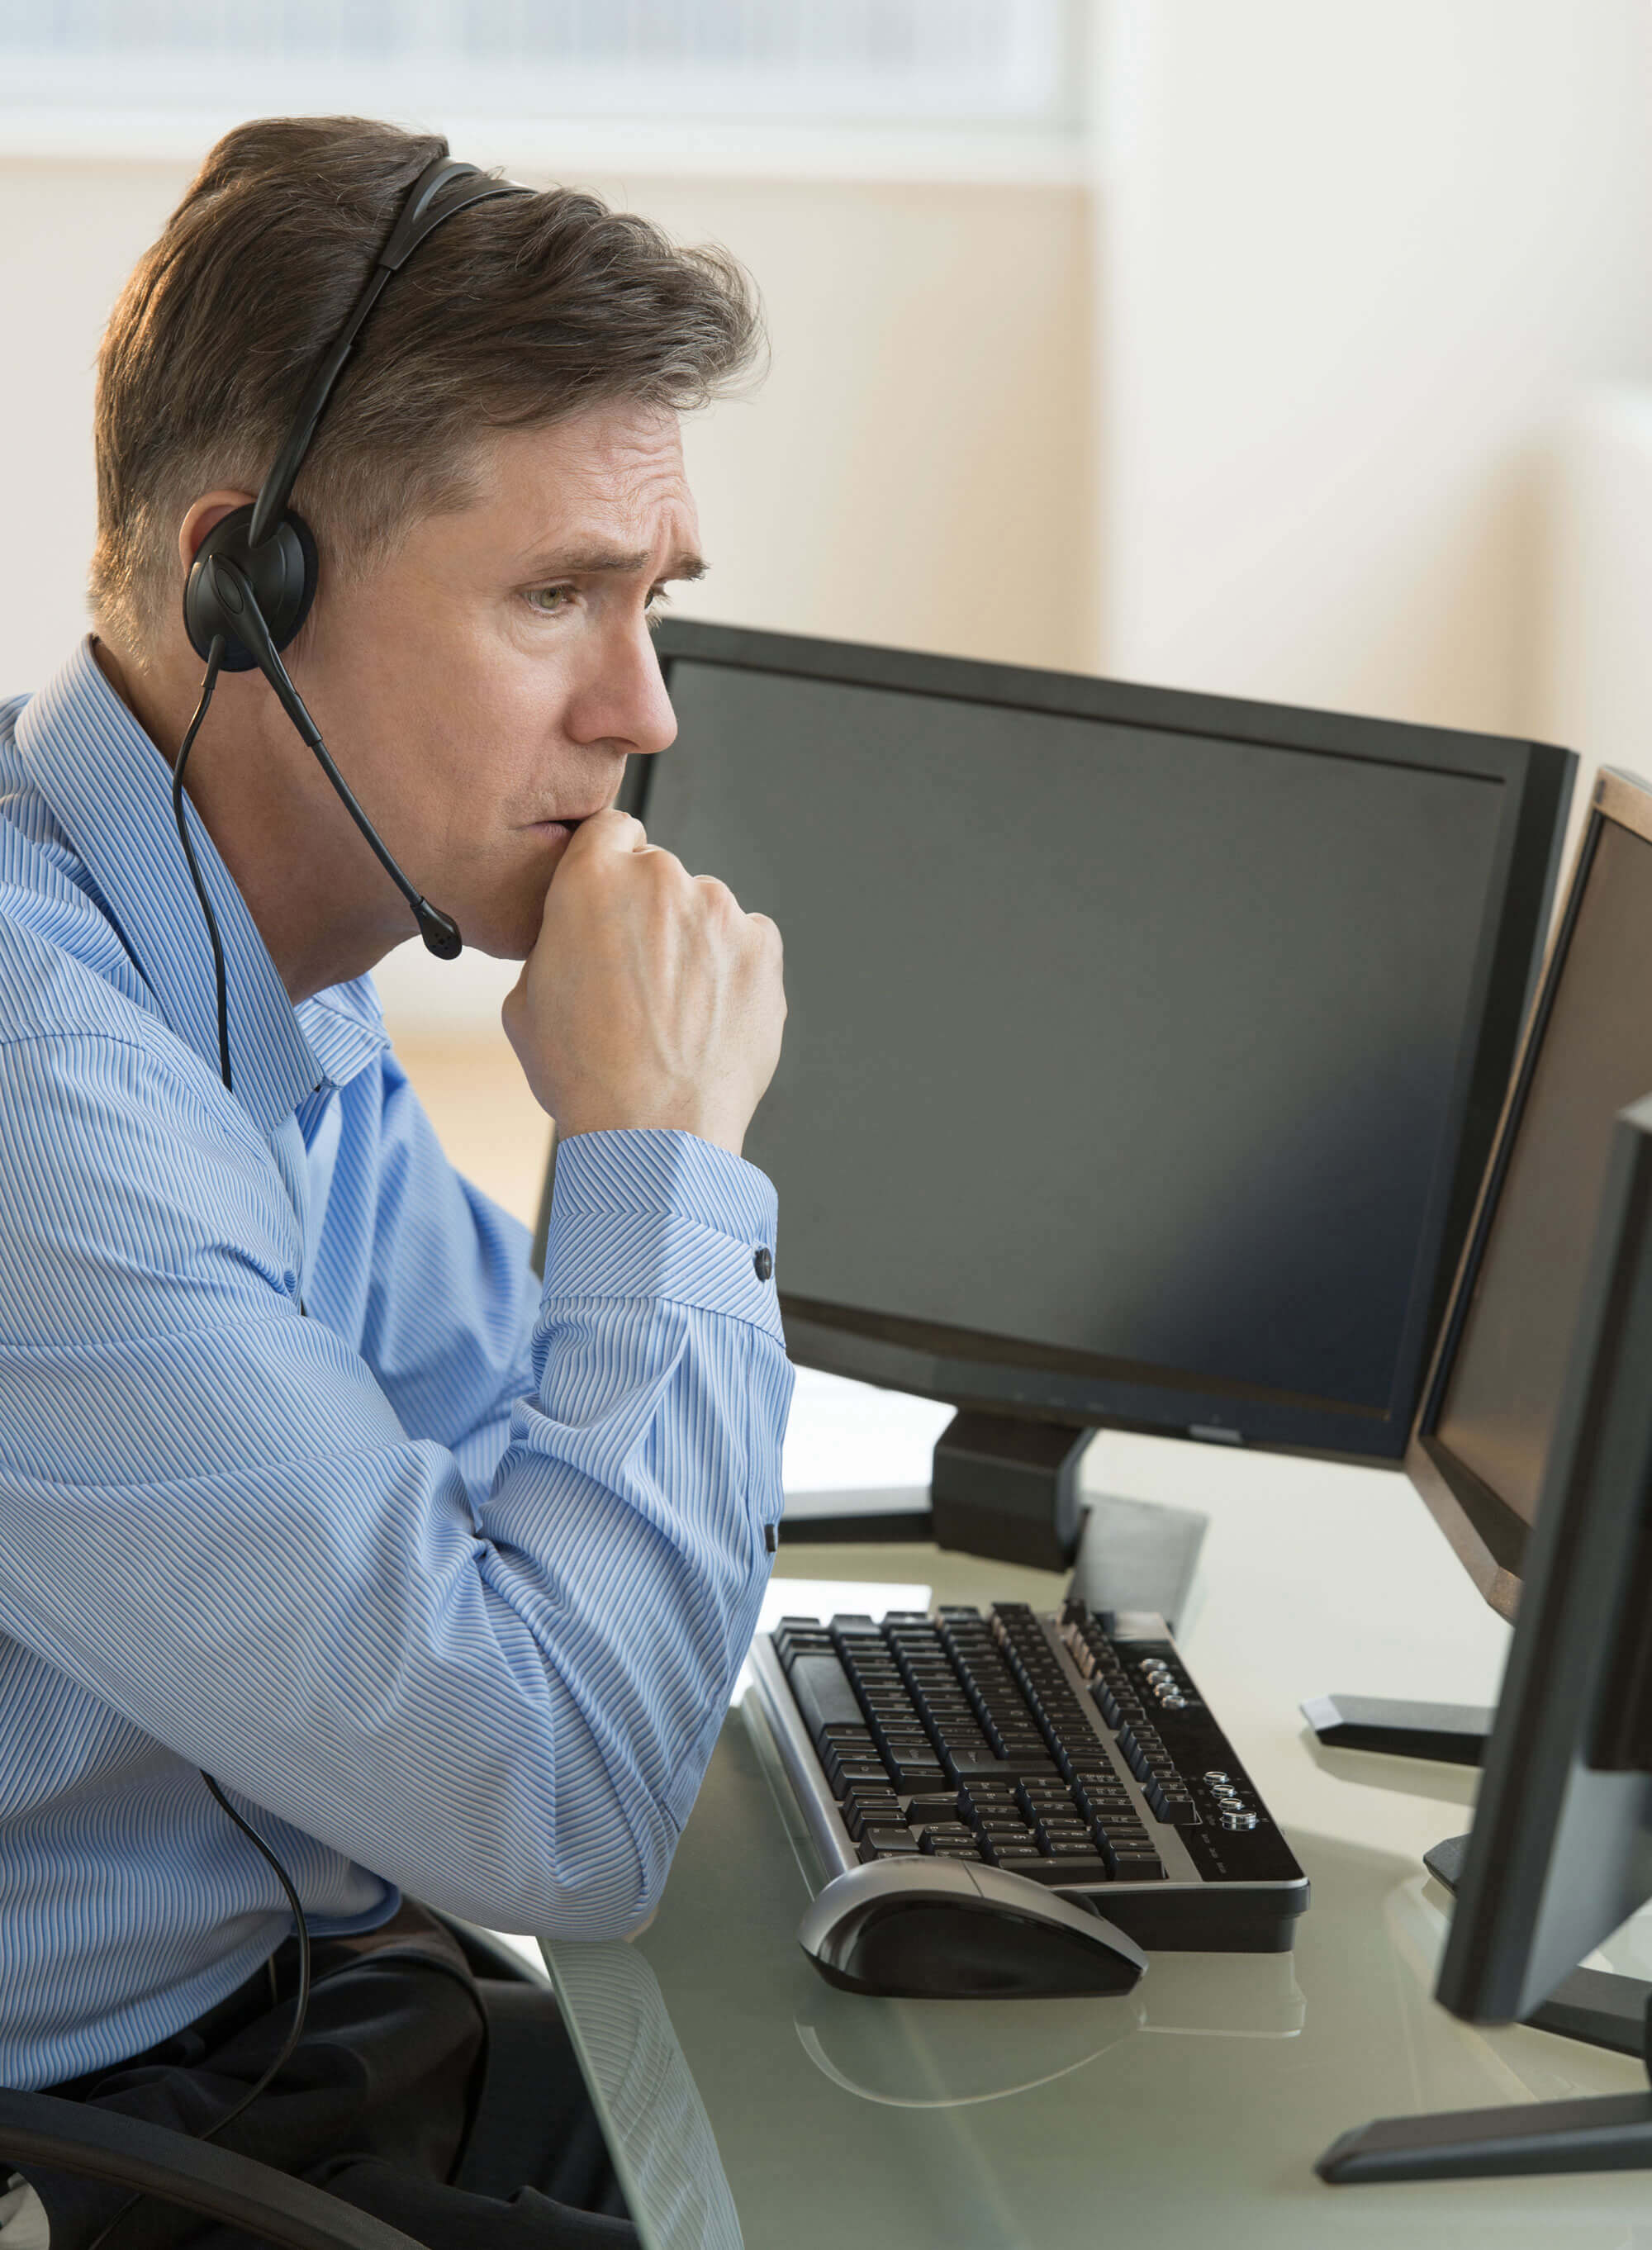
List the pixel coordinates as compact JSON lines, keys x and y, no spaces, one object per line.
{"x":303,"y":1482}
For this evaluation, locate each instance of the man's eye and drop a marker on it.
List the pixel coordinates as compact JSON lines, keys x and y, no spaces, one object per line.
{"x":549,"y":600}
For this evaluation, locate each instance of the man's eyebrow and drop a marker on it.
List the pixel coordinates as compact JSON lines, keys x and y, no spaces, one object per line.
{"x":618,"y":562}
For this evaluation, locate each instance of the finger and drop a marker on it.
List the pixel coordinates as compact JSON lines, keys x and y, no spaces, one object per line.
{"x":609,"y":834}
{"x":511,"y":1007}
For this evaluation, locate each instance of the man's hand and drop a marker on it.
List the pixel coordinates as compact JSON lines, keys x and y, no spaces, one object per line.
{"x":649,"y":998}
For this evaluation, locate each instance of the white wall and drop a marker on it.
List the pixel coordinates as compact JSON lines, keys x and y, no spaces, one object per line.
{"x":1353,"y":261}
{"x":69,"y":236}
{"x":1595,"y":651}
{"x":915,"y":470}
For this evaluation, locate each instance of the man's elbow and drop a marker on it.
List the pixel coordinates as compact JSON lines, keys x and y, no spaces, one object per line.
{"x":607,"y":1893}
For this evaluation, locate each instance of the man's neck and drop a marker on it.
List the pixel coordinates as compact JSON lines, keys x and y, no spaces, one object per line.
{"x":299,"y":901}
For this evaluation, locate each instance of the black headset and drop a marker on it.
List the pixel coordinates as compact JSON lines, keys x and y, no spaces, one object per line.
{"x":255,"y":576}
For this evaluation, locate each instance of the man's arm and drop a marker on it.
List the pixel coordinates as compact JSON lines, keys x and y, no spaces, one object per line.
{"x":430,"y":1276}
{"x":211,"y":1517}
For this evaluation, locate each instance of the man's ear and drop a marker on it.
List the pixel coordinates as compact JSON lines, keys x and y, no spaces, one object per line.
{"x":199,"y":518}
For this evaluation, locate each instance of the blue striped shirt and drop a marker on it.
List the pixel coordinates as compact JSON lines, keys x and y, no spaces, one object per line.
{"x":446,"y":1583}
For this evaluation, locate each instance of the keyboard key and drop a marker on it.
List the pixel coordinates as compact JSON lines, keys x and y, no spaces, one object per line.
{"x":914,"y":1779}
{"x":981,"y":1766}
{"x":887,"y":1844}
{"x":1172,"y":1803}
{"x":857,"y":1819}
{"x":944,"y":1832}
{"x":1033,"y":1795}
{"x":882,"y":1803}
{"x":844,"y":1777}
{"x":824,"y":1694}
{"x":1134,"y":1866}
{"x":1064,"y":1873}
{"x":923,"y":1811}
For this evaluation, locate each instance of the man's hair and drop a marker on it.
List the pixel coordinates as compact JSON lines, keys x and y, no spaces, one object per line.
{"x":516,"y":313}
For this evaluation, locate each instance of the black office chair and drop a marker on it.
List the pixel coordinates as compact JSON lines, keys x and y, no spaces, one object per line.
{"x":93,"y":2143}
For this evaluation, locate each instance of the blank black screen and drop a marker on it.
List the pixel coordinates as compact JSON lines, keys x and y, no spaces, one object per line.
{"x":1129,"y":1042}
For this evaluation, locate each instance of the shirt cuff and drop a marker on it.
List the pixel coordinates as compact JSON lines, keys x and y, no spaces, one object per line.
{"x":663,"y":1215}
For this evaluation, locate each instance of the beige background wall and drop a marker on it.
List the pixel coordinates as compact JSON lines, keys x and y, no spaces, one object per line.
{"x":1353,"y":263}
{"x":914,"y":469}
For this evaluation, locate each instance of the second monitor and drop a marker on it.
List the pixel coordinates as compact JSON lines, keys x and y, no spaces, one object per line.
{"x":1143,"y":1051}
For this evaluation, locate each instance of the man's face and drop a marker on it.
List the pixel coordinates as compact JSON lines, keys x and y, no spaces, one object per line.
{"x":484,"y":687}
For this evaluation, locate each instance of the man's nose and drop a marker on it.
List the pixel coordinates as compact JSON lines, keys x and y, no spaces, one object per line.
{"x":622,"y":698}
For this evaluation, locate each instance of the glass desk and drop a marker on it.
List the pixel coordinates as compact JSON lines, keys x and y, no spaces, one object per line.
{"x":746,"y":2100}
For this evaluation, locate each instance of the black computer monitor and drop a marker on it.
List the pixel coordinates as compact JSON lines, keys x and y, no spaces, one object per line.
{"x":1489,"y":1405}
{"x":1561,"y":1849}
{"x":1145,"y":1049}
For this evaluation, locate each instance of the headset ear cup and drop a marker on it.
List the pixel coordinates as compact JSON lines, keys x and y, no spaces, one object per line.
{"x":283,"y":571}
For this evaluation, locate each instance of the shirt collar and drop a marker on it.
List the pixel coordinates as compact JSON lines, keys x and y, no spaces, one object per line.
{"x":111,"y":794}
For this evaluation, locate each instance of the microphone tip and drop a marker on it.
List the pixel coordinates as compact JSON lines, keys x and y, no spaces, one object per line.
{"x":439,"y":932}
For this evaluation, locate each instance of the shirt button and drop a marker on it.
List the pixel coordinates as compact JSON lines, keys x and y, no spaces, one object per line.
{"x":762,"y":1263}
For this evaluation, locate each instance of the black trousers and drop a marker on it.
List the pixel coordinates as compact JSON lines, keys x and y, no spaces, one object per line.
{"x":450,"y":2106}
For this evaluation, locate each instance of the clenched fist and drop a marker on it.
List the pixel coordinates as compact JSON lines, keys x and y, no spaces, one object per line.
{"x":649,"y":998}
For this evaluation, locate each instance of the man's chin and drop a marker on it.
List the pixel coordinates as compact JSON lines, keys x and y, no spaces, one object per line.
{"x":507,"y":933}
{"x":502,"y":918}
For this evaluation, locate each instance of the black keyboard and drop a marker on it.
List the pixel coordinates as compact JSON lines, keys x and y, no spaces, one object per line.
{"x":1073,"y":1749}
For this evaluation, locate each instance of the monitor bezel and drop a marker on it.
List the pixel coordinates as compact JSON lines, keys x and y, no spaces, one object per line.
{"x":1536,"y":780}
{"x":1488,"y":1535}
{"x":1560,"y":1853}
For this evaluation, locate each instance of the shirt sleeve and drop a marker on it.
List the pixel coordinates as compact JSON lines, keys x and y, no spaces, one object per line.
{"x":213,"y":1517}
{"x":428,"y":1273}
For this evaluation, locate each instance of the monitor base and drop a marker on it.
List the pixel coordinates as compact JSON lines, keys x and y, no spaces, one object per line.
{"x":1137,"y":1554}
{"x":1595,"y":2006}
{"x":1610,"y":2132}
{"x":1452,"y":1734}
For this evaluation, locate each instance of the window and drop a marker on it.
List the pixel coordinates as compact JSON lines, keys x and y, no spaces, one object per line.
{"x":930,"y":64}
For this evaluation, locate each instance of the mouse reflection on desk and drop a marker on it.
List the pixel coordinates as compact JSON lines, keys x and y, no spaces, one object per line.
{"x":941,"y":1929}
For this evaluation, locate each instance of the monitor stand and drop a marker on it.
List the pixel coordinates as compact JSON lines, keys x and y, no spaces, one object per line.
{"x":1595,"y":2006}
{"x":1008,"y":1489}
{"x":1454,"y":1734}
{"x":1609,"y":2132}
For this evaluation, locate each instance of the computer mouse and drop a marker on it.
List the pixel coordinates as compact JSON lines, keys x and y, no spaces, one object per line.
{"x":928,"y":1929}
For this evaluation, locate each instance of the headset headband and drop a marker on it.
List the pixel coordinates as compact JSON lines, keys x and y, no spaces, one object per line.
{"x":254,"y":575}
{"x":439,"y":193}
